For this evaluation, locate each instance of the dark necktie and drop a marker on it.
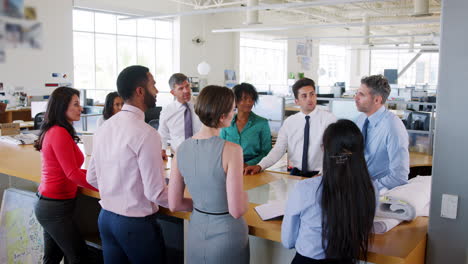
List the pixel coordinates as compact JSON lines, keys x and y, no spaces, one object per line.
{"x":305,"y":149}
{"x":364,"y":131}
{"x":187,"y":121}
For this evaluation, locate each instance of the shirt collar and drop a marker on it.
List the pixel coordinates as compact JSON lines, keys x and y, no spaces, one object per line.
{"x":137,"y":111}
{"x":252,"y":117}
{"x":311,"y":114}
{"x":179,"y":105}
{"x":377,"y":116}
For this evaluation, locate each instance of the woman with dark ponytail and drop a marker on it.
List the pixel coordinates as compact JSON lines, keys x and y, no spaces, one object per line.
{"x":329,"y":218}
{"x":60,"y":177}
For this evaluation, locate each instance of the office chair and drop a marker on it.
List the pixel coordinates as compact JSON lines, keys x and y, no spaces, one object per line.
{"x":152,"y":113}
{"x":38,"y":120}
{"x":154,"y":123}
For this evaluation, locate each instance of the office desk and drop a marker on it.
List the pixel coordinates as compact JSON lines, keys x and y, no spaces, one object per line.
{"x":16,"y":114}
{"x":405,"y":243}
{"x":417,"y":159}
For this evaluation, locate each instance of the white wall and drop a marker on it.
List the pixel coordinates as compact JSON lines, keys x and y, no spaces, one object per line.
{"x":359,"y":67}
{"x":220,"y":51}
{"x":295,"y":66}
{"x":31,"y":68}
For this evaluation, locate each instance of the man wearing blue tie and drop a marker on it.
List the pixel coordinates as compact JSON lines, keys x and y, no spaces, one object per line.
{"x":385,"y":136}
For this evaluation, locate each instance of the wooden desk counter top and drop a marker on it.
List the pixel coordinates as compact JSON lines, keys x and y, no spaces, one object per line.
{"x":405,"y":243}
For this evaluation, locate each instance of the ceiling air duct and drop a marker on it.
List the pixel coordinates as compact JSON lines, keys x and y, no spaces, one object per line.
{"x":366,"y":30}
{"x":421,"y":8}
{"x":252,"y":15}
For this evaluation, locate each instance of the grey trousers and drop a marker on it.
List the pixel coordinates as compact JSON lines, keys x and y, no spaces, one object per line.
{"x":61,"y":235}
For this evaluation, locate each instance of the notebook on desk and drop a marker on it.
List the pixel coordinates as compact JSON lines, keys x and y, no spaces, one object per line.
{"x":271,"y":210}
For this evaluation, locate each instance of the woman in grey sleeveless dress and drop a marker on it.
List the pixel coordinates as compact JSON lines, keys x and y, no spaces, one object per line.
{"x":212,"y":170}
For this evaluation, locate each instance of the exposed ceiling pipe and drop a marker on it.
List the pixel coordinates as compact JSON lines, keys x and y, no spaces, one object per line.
{"x":252,"y":15}
{"x":354,"y":24}
{"x":359,"y":36}
{"x":421,"y":49}
{"x":258,"y":7}
{"x":421,"y":8}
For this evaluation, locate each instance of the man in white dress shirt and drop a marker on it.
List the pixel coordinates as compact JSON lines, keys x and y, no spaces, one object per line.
{"x":300,"y":135}
{"x":178,"y":120}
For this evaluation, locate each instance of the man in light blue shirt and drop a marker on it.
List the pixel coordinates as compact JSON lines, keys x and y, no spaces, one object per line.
{"x":385,"y":136}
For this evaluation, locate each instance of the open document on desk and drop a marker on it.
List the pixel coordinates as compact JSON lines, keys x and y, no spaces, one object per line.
{"x":21,"y":139}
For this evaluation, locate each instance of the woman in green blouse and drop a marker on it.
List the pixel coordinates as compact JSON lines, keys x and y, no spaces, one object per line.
{"x":247,"y":129}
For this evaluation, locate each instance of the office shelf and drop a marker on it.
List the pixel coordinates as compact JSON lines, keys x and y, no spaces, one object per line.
{"x":350,"y":112}
{"x":418,"y":131}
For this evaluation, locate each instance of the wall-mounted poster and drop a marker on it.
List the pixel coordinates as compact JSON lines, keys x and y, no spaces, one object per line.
{"x":230,"y":79}
{"x":13,"y":35}
{"x":30,"y":13}
{"x":12,"y":8}
{"x":32,"y":36}
{"x":301,"y":49}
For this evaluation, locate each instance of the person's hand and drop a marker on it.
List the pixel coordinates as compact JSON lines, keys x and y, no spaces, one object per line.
{"x":164,"y":155}
{"x":252,"y":169}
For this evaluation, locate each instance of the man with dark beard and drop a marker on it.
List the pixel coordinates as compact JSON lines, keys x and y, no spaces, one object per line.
{"x":130,"y":177}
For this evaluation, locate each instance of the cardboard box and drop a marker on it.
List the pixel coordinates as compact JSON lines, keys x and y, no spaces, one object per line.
{"x":2,"y":107}
{"x":9,"y":129}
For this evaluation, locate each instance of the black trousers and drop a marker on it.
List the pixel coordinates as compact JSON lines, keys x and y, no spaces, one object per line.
{"x":61,"y":235}
{"x":299,"y":259}
{"x":297,"y":172}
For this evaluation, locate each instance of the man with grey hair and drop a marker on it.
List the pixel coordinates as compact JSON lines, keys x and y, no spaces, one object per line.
{"x":385,"y":136}
{"x":178,"y":120}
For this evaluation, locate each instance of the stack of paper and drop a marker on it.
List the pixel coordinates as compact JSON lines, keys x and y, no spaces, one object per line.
{"x":21,"y":139}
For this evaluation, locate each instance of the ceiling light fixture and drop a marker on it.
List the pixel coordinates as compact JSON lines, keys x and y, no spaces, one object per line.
{"x":357,"y":37}
{"x":353,"y":24}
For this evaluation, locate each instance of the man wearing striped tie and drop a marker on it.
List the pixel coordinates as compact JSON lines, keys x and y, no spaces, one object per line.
{"x":178,"y":120}
{"x":385,"y":136}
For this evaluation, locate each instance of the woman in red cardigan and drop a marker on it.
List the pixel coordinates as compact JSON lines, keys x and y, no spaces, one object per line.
{"x":61,"y":176}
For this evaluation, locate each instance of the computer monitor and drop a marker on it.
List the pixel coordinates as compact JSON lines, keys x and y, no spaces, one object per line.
{"x":327,"y":95}
{"x":345,"y":109}
{"x":38,"y":107}
{"x":391,"y":75}
{"x":271,"y":107}
{"x":418,"y":121}
{"x":152,"y":113}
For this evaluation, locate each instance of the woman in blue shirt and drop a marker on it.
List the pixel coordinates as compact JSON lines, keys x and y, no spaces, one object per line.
{"x":330,"y":217}
{"x":247,"y":129}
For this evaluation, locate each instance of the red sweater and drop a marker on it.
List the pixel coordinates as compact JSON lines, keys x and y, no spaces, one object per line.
{"x":61,"y":165}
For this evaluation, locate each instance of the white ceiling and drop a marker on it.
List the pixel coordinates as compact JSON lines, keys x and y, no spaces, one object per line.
{"x":397,"y":10}
{"x":308,"y":21}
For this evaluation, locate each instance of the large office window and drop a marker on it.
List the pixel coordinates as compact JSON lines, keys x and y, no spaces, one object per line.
{"x":422,"y":72}
{"x":263,"y":64}
{"x":332,"y":66}
{"x":104,"y":45}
